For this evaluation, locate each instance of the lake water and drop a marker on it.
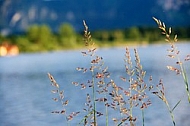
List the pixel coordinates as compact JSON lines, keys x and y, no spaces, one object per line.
{"x":25,"y":90}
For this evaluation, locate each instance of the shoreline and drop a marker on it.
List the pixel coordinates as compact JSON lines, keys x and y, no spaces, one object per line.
{"x":118,"y":45}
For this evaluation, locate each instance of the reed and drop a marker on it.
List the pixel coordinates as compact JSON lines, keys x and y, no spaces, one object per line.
{"x":105,"y":92}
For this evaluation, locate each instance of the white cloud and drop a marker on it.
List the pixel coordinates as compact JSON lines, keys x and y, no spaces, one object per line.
{"x":70,"y":15}
{"x":172,"y":4}
{"x":32,"y":13}
{"x":5,"y":7}
{"x":53,"y":15}
{"x":24,"y":23}
{"x":43,"y":13}
{"x":16,"y":17}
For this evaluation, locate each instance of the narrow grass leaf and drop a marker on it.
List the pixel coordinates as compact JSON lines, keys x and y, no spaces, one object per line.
{"x":176,"y":105}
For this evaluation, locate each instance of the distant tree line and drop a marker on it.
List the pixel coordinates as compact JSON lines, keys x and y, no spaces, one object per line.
{"x":41,"y":37}
{"x":138,"y":34}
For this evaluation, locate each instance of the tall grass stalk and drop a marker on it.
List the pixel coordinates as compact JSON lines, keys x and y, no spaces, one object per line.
{"x":99,"y":73}
{"x":90,"y":45}
{"x":161,"y":94}
{"x":174,"y":53}
{"x":136,"y":93}
{"x":63,"y":101}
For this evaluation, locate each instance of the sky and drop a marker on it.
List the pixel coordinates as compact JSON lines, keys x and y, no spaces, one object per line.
{"x":18,"y":15}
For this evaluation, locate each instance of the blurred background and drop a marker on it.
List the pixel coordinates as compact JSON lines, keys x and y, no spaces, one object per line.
{"x":42,"y":25}
{"x":41,"y":36}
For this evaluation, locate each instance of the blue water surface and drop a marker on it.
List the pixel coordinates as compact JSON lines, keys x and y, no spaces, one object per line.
{"x":25,"y":89}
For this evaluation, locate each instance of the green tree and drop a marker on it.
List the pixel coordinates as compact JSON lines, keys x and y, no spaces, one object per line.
{"x":1,"y":38}
{"x":133,"y":33}
{"x":41,"y":38}
{"x":23,"y":44}
{"x":118,"y":35}
{"x":33,"y":33}
{"x":67,"y":36}
{"x":45,"y":35}
{"x":151,"y":36}
{"x":101,"y":35}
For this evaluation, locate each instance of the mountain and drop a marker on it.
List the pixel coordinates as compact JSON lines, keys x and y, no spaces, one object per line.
{"x":17,"y":15}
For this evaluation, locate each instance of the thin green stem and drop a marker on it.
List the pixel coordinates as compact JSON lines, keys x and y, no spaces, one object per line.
{"x":163,"y":98}
{"x":185,"y":81}
{"x":94,"y":98}
{"x":184,"y":75}
{"x":131,"y":102}
{"x":120,"y":124}
{"x":143,"y":116}
{"x":85,"y":117}
{"x":170,"y":111}
{"x":106,"y":113}
{"x":68,"y":124}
